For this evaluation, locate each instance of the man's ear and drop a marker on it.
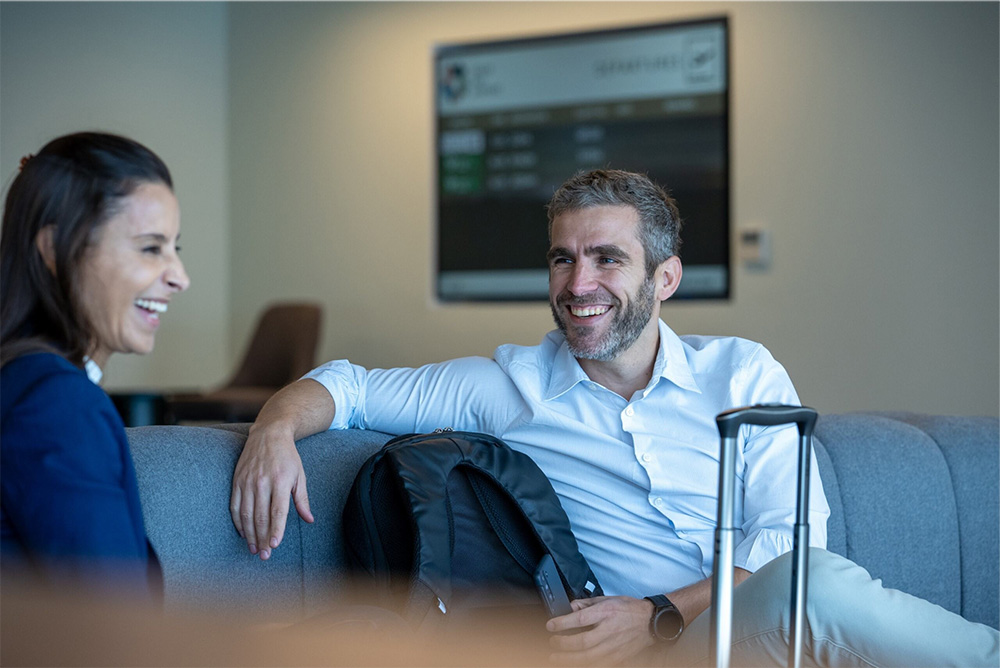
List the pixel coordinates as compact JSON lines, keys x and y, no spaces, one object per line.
{"x":668,"y":278}
{"x":45,"y":244}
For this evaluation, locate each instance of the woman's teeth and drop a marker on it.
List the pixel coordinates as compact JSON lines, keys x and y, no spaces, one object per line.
{"x":588,"y":311}
{"x":150,"y":305}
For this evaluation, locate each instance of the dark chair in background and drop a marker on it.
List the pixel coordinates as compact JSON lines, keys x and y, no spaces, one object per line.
{"x":282,"y":349}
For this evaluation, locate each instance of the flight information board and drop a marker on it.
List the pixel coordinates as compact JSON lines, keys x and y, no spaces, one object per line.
{"x":517,"y":118}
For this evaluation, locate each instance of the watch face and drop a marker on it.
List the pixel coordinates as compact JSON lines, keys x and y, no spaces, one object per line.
{"x":668,"y":624}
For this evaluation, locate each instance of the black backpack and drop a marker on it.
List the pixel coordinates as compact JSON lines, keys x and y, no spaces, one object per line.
{"x":450,"y":525}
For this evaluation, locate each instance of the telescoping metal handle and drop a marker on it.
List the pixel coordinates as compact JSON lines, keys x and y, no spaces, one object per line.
{"x":722,"y":579}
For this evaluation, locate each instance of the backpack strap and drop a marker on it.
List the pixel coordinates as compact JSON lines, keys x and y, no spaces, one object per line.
{"x":510,"y":532}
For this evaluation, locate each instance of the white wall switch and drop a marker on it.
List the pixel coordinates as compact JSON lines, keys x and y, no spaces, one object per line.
{"x":754,"y":247}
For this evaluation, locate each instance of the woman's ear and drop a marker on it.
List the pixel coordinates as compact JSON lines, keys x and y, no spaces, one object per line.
{"x":45,"y":244}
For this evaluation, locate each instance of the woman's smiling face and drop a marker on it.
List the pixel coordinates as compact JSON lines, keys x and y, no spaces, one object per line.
{"x":130,"y":271}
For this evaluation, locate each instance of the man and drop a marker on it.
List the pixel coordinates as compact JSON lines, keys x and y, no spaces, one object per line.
{"x":619,"y":412}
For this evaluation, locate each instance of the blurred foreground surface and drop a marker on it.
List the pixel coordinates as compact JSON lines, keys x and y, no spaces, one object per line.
{"x":41,"y":627}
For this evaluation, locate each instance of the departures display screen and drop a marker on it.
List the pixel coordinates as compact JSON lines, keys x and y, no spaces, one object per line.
{"x":514,"y":119}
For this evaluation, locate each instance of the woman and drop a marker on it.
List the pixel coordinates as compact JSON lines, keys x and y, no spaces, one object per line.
{"x":88,"y":264}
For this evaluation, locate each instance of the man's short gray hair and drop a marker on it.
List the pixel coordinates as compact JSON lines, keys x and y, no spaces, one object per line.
{"x":659,"y":220}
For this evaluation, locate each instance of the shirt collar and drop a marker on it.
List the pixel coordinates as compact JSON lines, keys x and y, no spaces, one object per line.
{"x":94,"y":372}
{"x":671,"y":364}
{"x":566,"y":372}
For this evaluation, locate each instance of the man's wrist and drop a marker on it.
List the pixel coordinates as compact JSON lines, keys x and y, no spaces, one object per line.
{"x":666,"y":622}
{"x":273,"y":427}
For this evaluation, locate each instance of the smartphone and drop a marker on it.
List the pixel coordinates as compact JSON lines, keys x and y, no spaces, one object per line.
{"x":551,"y":589}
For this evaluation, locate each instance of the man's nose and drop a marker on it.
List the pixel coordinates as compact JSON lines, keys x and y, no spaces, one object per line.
{"x":582,"y":279}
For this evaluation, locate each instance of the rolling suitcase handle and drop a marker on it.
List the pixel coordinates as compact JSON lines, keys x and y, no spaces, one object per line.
{"x":729,"y":424}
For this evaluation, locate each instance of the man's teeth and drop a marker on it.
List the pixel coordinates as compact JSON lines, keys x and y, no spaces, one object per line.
{"x":150,"y":305}
{"x":587,"y":311}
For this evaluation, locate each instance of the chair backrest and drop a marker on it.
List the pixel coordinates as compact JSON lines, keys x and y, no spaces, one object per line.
{"x":283,"y":346}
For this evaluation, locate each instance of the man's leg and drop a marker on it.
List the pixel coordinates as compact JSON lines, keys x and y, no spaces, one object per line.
{"x":851,"y":621}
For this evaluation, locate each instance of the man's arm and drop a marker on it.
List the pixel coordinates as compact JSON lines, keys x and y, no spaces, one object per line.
{"x":469,"y":393}
{"x":620,"y":624}
{"x":270,"y":469}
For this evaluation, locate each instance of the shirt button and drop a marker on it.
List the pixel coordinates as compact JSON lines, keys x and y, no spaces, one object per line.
{"x":629,"y":411}
{"x":658,"y":502}
{"x":646,"y":457}
{"x":592,"y":387}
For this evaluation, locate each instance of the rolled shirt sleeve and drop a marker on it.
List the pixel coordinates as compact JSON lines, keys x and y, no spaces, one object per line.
{"x":344,"y":381}
{"x":770,"y":473}
{"x":469,"y":393}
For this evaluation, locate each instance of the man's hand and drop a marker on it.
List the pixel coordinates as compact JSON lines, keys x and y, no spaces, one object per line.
{"x":270,"y":470}
{"x":620,"y":624}
{"x":619,"y":629}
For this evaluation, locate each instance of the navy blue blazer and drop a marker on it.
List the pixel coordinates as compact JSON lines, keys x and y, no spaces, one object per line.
{"x":69,"y":502}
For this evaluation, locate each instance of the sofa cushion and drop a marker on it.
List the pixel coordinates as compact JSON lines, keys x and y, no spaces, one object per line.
{"x":898,"y":502}
{"x":969,"y":446}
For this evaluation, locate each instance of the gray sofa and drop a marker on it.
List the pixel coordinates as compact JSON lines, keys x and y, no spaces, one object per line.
{"x":914,"y":500}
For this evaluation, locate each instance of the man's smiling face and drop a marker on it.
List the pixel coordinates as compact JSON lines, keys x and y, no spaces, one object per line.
{"x":600,"y":295}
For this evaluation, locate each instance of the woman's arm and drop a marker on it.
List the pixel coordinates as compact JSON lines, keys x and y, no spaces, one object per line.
{"x":70,"y":497}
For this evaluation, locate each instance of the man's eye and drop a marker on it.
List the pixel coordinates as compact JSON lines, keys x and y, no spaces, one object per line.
{"x":608,"y":260}
{"x":154,"y":250}
{"x":561,"y":260}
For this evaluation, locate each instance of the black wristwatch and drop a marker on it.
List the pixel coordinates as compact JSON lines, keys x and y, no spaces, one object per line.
{"x":666,"y":624}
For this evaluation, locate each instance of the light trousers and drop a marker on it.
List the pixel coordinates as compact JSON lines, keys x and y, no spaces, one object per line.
{"x":851,"y":620}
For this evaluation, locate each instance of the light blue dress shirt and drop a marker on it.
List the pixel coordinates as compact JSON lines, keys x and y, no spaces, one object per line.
{"x":638,"y":478}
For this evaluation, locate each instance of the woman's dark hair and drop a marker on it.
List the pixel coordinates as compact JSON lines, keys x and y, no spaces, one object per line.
{"x":75,"y":183}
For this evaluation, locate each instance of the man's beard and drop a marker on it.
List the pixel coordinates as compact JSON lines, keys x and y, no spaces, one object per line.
{"x":625,"y":328}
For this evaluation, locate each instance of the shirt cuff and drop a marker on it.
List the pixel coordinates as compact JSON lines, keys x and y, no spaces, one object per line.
{"x":761,"y":547}
{"x":340,"y":379}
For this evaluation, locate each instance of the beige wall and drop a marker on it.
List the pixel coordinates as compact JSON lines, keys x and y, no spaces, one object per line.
{"x":865,"y":139}
{"x":155,"y":72}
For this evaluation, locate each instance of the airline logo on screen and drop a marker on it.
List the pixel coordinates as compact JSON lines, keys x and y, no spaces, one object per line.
{"x":702,"y":58}
{"x":453,"y":84}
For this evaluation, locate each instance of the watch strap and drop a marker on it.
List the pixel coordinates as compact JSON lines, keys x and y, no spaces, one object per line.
{"x":660,"y":601}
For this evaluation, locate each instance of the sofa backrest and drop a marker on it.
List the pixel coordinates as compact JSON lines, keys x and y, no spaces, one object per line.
{"x":913,"y":499}
{"x":184,"y":475}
